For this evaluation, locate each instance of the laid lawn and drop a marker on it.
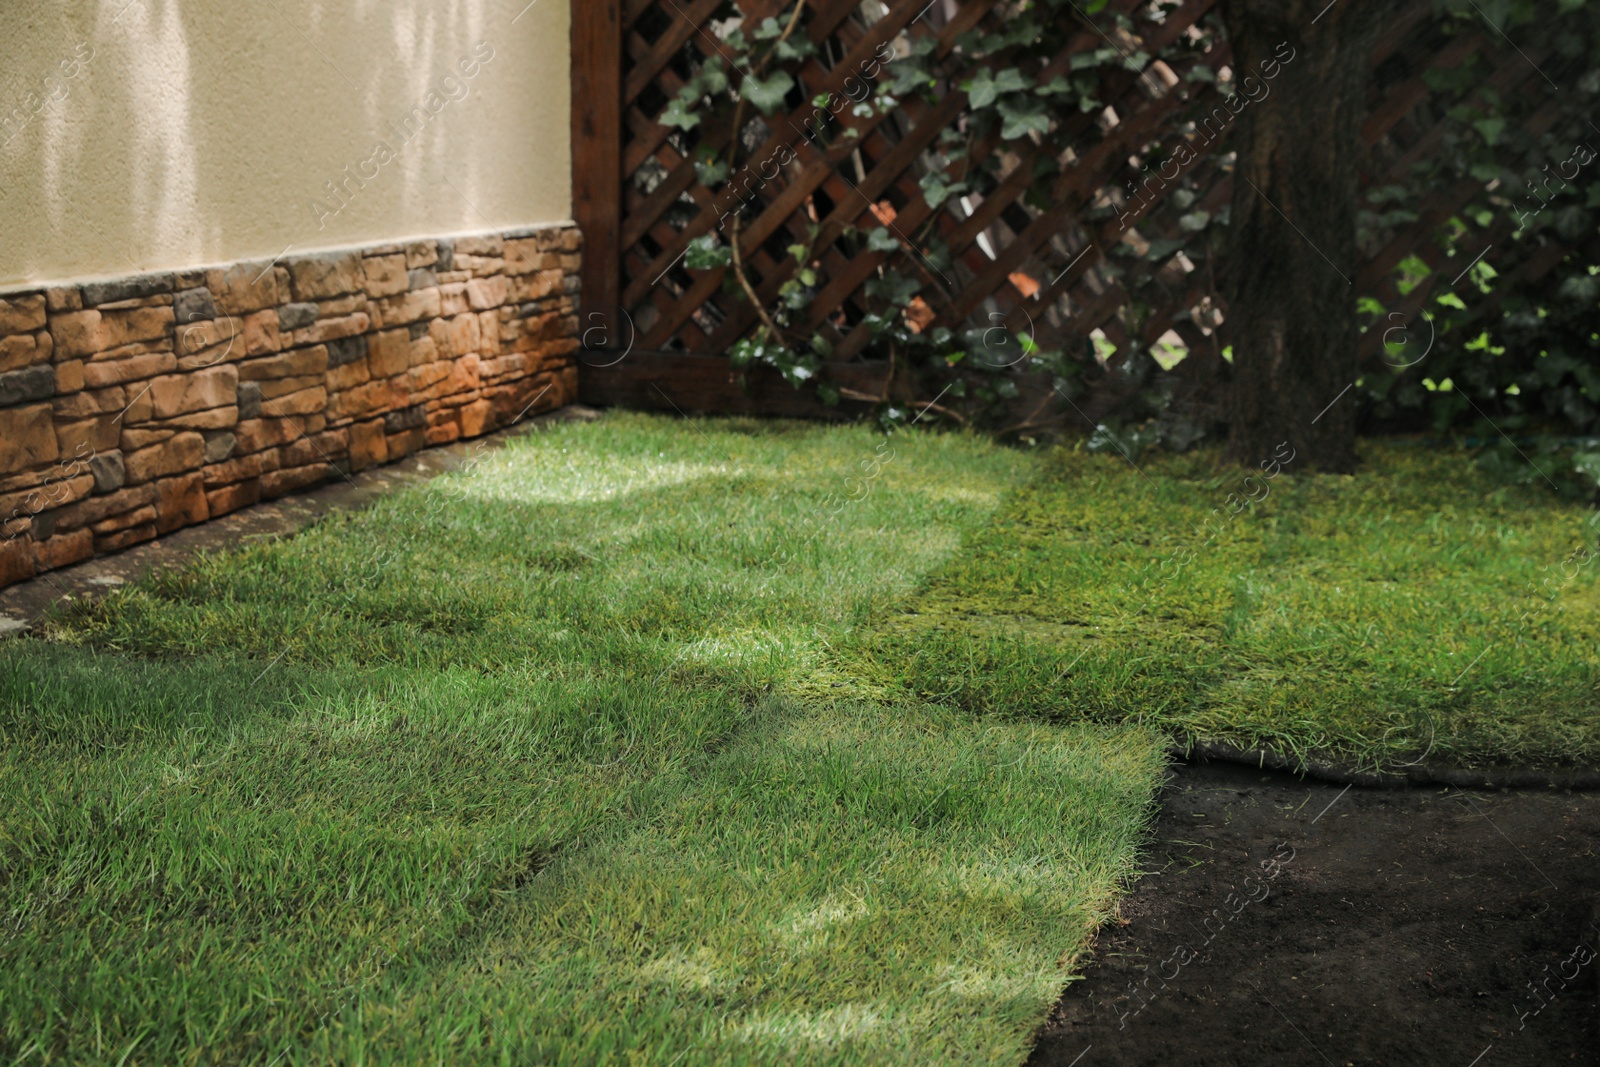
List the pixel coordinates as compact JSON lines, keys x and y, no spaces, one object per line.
{"x":1414,"y":609}
{"x":722,"y":742}
{"x":542,"y":762}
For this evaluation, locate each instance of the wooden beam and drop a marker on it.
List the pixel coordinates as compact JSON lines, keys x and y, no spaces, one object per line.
{"x":597,"y":162}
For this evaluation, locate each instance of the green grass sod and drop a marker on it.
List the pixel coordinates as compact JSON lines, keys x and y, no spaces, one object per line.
{"x":1412,"y":609}
{"x":651,"y":741}
{"x":544,"y":762}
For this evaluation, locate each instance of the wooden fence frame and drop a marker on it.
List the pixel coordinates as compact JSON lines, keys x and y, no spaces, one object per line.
{"x":617,"y":368}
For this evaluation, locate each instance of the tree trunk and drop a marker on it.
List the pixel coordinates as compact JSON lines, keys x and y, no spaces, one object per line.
{"x":1291,"y":303}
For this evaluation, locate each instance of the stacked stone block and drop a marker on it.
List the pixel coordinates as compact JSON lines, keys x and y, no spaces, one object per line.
{"x":135,"y":407}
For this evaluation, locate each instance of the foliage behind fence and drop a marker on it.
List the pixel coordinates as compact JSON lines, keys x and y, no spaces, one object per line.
{"x":965,"y":190}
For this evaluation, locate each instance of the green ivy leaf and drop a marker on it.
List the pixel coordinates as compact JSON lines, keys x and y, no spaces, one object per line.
{"x":1011,"y":81}
{"x":797,"y":47}
{"x":707,"y":253}
{"x":1161,"y":251}
{"x":1572,"y":223}
{"x":1580,"y":288}
{"x":937,"y":189}
{"x":797,"y":374}
{"x":793,"y":294}
{"x":876,"y":323}
{"x":679,"y":114}
{"x":711,"y":172}
{"x":1491,"y":129}
{"x":984,"y":88}
{"x":910,"y":75}
{"x":746,"y":351}
{"x":895,"y":288}
{"x":881,"y":240}
{"x":980,"y":89}
{"x":766,"y":95}
{"x":1413,"y":270}
{"x":1022,"y":117}
{"x":1098,"y":58}
{"x":712,"y":78}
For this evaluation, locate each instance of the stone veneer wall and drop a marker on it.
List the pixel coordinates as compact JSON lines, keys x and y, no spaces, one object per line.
{"x":132,"y":408}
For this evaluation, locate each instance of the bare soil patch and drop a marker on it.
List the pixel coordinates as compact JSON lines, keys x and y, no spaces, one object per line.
{"x":1410,"y":926}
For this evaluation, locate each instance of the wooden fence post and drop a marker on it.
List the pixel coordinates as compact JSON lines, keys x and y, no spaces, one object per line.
{"x":597,"y":166}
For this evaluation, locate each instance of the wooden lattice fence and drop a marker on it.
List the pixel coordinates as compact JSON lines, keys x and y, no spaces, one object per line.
{"x":1112,"y":257}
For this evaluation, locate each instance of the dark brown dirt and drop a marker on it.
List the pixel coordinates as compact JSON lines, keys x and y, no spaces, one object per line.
{"x":1397,"y":927}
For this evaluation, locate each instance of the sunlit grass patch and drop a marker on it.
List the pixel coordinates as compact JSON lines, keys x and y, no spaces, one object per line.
{"x":968,"y":862}
{"x":514,"y":764}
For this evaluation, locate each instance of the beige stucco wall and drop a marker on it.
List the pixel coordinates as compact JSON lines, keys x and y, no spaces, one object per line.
{"x":158,"y":134}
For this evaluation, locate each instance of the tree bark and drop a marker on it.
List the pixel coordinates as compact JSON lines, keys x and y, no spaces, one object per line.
{"x":1291,"y":303}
